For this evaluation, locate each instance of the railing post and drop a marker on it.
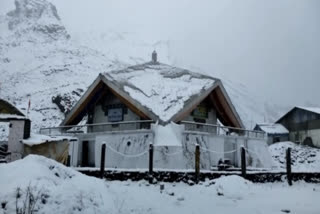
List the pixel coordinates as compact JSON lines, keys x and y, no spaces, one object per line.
{"x":150,"y":163}
{"x":243,"y":162}
{"x":197,"y":163}
{"x":288,"y":158}
{"x":103,"y":156}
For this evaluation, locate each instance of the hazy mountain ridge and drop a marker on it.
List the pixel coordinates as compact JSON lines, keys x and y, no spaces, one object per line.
{"x":39,"y":61}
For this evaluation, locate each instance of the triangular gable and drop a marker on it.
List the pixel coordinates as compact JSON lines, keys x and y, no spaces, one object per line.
{"x":94,"y":93}
{"x":301,"y":108}
{"x":220,"y":100}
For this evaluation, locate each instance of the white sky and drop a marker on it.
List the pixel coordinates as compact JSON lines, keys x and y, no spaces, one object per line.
{"x":272,"y":46}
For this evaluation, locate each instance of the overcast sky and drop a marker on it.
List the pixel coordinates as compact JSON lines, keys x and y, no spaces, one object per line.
{"x":272,"y":46}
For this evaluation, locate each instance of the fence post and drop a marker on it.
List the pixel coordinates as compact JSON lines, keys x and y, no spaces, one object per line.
{"x":243,"y":162}
{"x":150,"y":163}
{"x":103,"y":157}
{"x":197,"y":163}
{"x":288,"y":158}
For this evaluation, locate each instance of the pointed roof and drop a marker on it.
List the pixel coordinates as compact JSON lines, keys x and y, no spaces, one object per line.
{"x":273,"y":128}
{"x":159,"y":92}
{"x":315,"y":110}
{"x":8,"y":111}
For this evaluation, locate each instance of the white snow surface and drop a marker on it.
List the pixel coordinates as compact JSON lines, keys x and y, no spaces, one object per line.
{"x":304,"y":158}
{"x":273,"y":128}
{"x":11,"y":116}
{"x":168,"y":135}
{"x":64,"y":190}
{"x":163,"y":89}
{"x":37,"y":139}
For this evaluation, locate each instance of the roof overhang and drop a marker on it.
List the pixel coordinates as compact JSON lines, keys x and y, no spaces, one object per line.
{"x":226,"y":112}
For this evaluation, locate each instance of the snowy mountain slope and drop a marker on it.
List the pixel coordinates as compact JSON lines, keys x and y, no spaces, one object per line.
{"x":40,"y":61}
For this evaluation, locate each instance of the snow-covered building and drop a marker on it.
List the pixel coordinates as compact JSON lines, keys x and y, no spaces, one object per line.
{"x":303,"y":124}
{"x":19,"y":128}
{"x":276,"y":132}
{"x":170,"y":107}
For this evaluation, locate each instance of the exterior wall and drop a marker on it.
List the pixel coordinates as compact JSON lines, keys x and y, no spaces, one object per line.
{"x":300,"y":136}
{"x":126,"y":143}
{"x":299,"y":120}
{"x":57,"y":150}
{"x":211,"y":119}
{"x":15,"y":136}
{"x":213,"y":148}
{"x":282,"y":138}
{"x":100,"y":116}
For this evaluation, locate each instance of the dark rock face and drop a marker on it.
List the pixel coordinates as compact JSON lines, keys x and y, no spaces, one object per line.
{"x":66,"y":101}
{"x":36,"y":16}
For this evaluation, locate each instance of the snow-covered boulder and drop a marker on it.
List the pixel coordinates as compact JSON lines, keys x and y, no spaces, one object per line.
{"x":232,"y":186}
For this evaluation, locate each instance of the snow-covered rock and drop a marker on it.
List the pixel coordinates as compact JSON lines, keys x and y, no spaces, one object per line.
{"x":304,"y":158}
{"x":232,"y":186}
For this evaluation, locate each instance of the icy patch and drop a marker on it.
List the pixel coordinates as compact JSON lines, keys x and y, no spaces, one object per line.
{"x":233,"y":186}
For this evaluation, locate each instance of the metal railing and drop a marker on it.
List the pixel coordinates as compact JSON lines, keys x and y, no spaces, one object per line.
{"x":98,"y":127}
{"x":222,"y":130}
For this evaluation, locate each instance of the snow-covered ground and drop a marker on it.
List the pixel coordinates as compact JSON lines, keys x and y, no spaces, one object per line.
{"x":304,"y":158}
{"x":63,"y":190}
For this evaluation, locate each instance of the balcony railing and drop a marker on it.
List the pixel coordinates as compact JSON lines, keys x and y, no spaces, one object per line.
{"x":190,"y":126}
{"x":221,"y":130}
{"x":97,"y":127}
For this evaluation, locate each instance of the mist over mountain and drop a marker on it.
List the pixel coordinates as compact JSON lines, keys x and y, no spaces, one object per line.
{"x":42,"y":62}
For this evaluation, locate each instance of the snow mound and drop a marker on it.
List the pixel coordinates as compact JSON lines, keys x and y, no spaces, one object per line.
{"x":232,"y":186}
{"x":304,"y":158}
{"x":60,"y":189}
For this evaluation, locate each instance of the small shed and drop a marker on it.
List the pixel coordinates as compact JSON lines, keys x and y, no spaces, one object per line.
{"x":276,"y":132}
{"x":56,"y":148}
{"x":19,"y":128}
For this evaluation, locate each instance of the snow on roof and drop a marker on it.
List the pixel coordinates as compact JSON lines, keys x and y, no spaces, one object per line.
{"x":11,"y":116}
{"x":312,"y":109}
{"x":37,"y":139}
{"x":163,"y":89}
{"x":273,"y":128}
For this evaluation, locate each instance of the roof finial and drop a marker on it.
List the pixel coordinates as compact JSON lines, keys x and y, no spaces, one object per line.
{"x":154,"y":56}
